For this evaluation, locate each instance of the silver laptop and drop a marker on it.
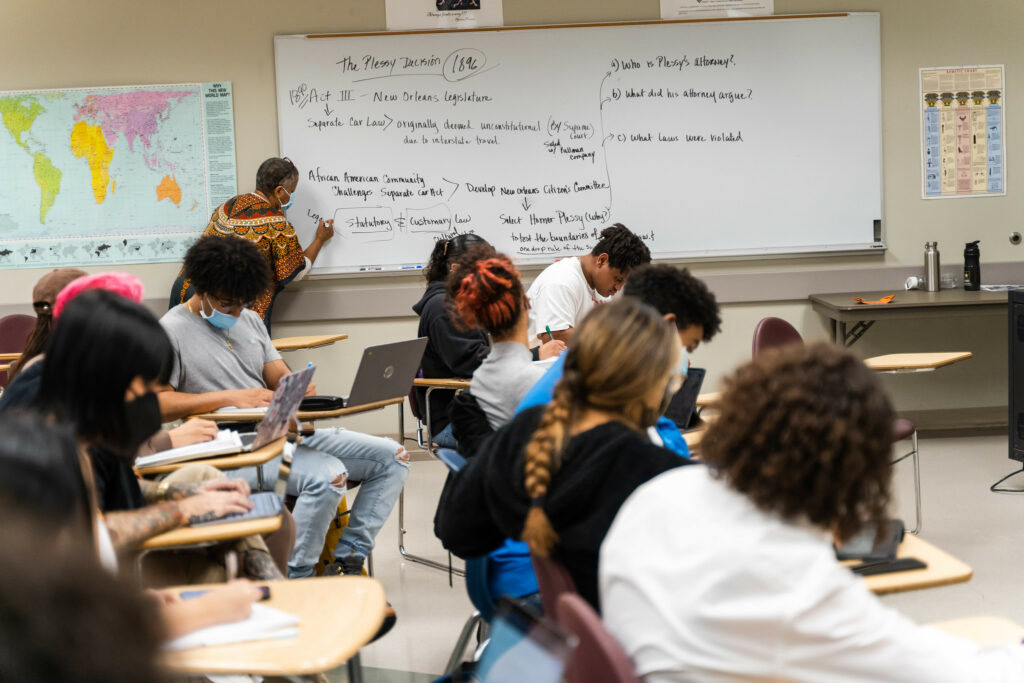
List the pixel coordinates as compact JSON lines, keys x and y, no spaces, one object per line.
{"x":386,"y":372}
{"x":283,"y":406}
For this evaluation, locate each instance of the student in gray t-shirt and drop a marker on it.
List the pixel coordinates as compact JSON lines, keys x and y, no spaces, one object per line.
{"x":487,"y":293}
{"x":223,"y":357}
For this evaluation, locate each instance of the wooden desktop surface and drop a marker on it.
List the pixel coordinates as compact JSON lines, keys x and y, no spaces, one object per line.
{"x":441,"y":382}
{"x":10,"y":356}
{"x":188,"y":535}
{"x":338,"y":616}
{"x":916,"y":361}
{"x":309,"y":342}
{"x":303,"y":415}
{"x":983,"y":630}
{"x":708,"y":398}
{"x":223,"y":462}
{"x":906,"y":299}
{"x":5,"y":368}
{"x":943,"y":569}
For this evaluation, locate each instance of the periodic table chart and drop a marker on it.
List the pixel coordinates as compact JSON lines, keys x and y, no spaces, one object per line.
{"x":963,"y":132}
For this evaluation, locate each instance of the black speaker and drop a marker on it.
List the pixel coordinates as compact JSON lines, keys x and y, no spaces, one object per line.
{"x":1016,"y":374}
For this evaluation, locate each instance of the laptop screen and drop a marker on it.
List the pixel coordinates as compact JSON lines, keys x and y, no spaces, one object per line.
{"x":283,"y":406}
{"x":683,"y":405}
{"x":523,"y":647}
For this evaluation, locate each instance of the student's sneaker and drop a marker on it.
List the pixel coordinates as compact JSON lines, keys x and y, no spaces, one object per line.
{"x":350,"y":565}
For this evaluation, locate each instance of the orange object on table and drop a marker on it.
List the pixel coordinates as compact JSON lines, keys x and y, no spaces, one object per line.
{"x":883,"y":300}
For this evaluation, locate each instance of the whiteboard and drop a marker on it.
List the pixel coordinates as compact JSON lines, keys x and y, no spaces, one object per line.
{"x":717,"y":139}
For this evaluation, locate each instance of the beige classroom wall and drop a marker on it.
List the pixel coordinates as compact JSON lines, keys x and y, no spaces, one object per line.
{"x":70,"y":43}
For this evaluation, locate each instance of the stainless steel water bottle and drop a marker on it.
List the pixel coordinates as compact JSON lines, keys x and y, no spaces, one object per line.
{"x":931,"y":266}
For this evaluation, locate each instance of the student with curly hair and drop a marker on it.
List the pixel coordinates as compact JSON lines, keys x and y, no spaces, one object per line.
{"x":555,"y":476}
{"x":223,"y":355}
{"x":742,"y":582}
{"x":569,"y":288}
{"x":686,"y":305}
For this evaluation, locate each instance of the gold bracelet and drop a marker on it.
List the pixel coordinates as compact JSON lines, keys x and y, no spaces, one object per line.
{"x":161,"y":490}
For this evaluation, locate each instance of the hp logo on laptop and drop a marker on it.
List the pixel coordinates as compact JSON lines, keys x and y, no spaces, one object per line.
{"x":389,"y":371}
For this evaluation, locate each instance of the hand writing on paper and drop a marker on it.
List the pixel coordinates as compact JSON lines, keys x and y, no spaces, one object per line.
{"x":551,"y":349}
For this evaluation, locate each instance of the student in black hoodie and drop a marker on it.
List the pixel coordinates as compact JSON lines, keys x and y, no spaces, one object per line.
{"x":451,"y":352}
{"x":556,"y":475}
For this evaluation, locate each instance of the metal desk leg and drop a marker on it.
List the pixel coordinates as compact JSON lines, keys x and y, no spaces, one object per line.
{"x":355,"y":669}
{"x":841,"y":339}
{"x":401,"y":509}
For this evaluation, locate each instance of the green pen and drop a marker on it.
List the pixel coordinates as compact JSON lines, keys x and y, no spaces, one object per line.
{"x":551,"y":337}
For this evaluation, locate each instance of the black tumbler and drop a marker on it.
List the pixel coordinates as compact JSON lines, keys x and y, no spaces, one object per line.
{"x":972,"y":266}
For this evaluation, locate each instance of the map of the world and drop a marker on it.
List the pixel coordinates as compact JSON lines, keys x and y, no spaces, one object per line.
{"x":111,"y":175}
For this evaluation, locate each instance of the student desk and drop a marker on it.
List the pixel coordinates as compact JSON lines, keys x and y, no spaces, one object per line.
{"x":187,"y":536}
{"x":10,"y":356}
{"x":313,"y":415}
{"x":307,"y":415}
{"x":5,"y":368}
{"x":708,"y":398}
{"x":311,"y":342}
{"x":983,"y":630}
{"x":201,"y":536}
{"x":433,"y":384}
{"x":842,"y":310}
{"x":225,"y":462}
{"x":915,"y":362}
{"x":338,"y":615}
{"x":943,"y":569}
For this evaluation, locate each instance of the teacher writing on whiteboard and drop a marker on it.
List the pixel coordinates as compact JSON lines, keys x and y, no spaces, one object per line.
{"x":259,"y":216}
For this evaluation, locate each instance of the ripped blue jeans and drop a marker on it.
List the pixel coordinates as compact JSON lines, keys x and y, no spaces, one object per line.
{"x":321,"y":468}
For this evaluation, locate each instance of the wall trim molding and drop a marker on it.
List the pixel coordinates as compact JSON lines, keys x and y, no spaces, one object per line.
{"x":370,"y":302}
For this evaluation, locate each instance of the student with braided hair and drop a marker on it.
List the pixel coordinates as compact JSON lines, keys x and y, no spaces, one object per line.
{"x":556,"y":475}
{"x":485,"y":292}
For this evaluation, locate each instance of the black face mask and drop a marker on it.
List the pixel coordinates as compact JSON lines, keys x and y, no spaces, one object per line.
{"x":143,"y":420}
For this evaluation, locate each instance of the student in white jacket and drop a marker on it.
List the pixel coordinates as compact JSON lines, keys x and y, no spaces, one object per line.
{"x":727,"y":573}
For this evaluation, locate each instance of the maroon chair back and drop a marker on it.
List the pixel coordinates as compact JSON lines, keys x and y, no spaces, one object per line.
{"x":553,"y":579}
{"x":772,"y":332}
{"x":598,"y":657}
{"x":414,"y":405}
{"x":14,"y":331}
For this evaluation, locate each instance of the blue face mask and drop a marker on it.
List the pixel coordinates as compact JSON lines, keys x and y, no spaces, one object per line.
{"x":218,"y":319}
{"x":291,"y":198}
{"x":684,"y":363}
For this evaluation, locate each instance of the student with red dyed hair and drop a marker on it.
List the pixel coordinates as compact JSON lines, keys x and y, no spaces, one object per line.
{"x":485,"y":292}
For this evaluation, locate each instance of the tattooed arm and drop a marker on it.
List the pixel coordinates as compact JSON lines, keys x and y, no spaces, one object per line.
{"x":130,"y":529}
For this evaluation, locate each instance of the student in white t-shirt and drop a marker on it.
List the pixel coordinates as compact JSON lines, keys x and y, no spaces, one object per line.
{"x":567,"y":289}
{"x":727,"y":572}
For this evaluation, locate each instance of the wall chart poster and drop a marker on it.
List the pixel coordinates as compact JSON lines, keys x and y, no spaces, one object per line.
{"x":963,"y":132}
{"x":112,"y":175}
{"x":412,"y":15}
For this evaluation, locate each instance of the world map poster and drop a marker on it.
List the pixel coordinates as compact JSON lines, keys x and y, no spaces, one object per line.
{"x":112,"y":175}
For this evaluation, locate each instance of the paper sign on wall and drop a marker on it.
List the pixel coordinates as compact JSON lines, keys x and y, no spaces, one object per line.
{"x":410,"y":15}
{"x":963,"y":132}
{"x":710,"y":9}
